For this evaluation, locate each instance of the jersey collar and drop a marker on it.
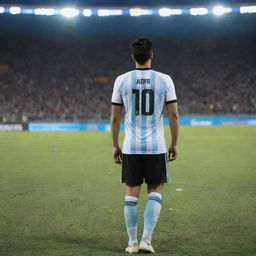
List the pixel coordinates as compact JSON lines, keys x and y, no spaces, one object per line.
{"x":143,"y":68}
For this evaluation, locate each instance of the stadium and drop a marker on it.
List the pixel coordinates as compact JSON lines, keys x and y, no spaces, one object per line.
{"x":60,"y":189}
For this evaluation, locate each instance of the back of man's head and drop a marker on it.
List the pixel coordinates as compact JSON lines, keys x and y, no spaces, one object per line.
{"x":142,"y":50}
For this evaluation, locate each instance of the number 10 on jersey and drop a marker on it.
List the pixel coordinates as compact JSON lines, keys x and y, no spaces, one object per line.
{"x":146,"y":97}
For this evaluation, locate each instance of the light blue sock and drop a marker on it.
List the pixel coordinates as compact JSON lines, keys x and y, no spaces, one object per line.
{"x":131,"y":218}
{"x":151,"y":215}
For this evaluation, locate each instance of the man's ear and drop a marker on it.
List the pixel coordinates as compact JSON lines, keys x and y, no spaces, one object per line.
{"x":151,"y":55}
{"x":133,"y":57}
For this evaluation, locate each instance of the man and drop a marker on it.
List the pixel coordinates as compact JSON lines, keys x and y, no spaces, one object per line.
{"x":143,"y":93}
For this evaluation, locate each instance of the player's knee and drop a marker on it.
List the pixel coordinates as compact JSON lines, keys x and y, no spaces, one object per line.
{"x":132,"y":190}
{"x":155,"y":188}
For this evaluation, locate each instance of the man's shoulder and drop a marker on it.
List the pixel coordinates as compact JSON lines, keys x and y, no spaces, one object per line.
{"x":124,"y":75}
{"x":162,"y":75}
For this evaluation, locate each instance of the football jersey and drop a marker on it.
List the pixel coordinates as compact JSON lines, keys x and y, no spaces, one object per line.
{"x":143,"y":92}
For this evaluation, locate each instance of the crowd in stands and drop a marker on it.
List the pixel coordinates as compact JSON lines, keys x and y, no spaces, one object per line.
{"x":58,"y":80}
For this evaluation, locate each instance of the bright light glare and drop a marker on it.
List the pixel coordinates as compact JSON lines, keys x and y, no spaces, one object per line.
{"x":69,"y":12}
{"x":164,"y":12}
{"x":15,"y":10}
{"x":106,"y":12}
{"x":44,"y":11}
{"x":167,"y":12}
{"x":138,"y":12}
{"x":198,"y":11}
{"x":220,"y":10}
{"x":248,"y":9}
{"x":146,"y":12}
{"x":135,"y":12}
{"x":87,"y":12}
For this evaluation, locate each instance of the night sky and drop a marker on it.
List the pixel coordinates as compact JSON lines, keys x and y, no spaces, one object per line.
{"x":125,"y":2}
{"x":124,"y":25}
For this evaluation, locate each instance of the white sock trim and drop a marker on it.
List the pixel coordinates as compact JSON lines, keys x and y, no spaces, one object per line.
{"x":131,"y":198}
{"x":155,"y":194}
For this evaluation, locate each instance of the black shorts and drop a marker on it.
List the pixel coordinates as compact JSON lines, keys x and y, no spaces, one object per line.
{"x":137,"y":168}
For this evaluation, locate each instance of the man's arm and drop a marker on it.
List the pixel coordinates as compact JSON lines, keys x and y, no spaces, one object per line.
{"x":115,"y":119}
{"x":173,"y":115}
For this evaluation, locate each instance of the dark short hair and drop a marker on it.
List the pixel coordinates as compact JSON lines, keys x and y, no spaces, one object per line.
{"x":142,"y":50}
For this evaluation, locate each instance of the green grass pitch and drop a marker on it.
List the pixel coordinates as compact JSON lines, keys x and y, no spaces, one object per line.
{"x":60,"y":195}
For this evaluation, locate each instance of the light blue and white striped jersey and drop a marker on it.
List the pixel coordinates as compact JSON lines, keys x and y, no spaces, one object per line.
{"x":143,"y":92}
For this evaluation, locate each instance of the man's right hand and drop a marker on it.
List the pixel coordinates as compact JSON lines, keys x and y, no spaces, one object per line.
{"x":172,"y":153}
{"x":117,"y":154}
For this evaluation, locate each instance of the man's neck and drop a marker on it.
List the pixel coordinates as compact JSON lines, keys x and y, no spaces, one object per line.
{"x":144,"y":66}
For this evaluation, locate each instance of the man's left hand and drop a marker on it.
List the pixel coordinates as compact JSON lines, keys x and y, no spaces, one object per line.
{"x":117,"y":154}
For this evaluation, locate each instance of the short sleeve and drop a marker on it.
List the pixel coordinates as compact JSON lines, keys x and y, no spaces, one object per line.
{"x":116,"y":95}
{"x":170,"y":96}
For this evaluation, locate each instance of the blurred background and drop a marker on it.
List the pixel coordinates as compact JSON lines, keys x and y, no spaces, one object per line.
{"x":59,"y":59}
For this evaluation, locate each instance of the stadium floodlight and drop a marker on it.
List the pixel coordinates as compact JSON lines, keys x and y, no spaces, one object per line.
{"x":198,"y":11}
{"x":248,"y":9}
{"x":44,"y":11}
{"x":220,"y":10}
{"x":15,"y":10}
{"x":167,"y":12}
{"x":38,"y":11}
{"x":87,"y":12}
{"x":2,"y":10}
{"x":108,"y":12}
{"x":139,"y":12}
{"x":69,"y":12}
{"x":164,"y":12}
